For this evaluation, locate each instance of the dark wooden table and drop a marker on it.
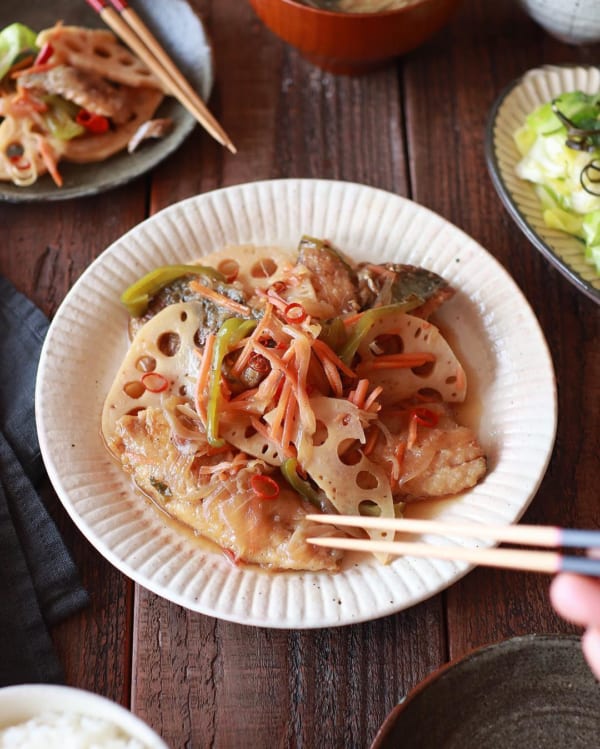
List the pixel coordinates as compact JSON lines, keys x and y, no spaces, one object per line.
{"x":416,"y":129}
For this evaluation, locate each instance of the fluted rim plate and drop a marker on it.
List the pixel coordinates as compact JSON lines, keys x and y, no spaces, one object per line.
{"x":508,"y":113}
{"x":512,"y":400}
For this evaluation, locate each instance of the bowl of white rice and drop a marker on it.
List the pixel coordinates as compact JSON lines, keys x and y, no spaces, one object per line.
{"x":43,"y":716}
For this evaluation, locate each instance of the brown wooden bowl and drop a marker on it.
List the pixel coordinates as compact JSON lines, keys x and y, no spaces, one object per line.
{"x":353,"y":43}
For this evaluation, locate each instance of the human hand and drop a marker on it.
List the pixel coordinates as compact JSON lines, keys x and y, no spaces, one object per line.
{"x":577,"y":599}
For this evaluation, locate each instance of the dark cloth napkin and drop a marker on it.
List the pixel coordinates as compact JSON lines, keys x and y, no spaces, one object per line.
{"x":39,"y":583}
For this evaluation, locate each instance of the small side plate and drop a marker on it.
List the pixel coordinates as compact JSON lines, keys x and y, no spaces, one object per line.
{"x":183,"y":36}
{"x":518,"y":100}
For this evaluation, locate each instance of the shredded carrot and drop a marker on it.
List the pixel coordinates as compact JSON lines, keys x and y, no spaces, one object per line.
{"x":412,"y":433}
{"x":43,"y":68}
{"x":322,"y":348}
{"x":316,"y":375}
{"x":244,"y":357}
{"x":373,"y":397}
{"x":400,"y":453}
{"x":203,"y":373}
{"x":289,"y":423}
{"x":330,"y":370}
{"x":351,"y":319}
{"x":278,"y":416}
{"x":220,"y":299}
{"x":226,"y":466}
{"x":358,"y":396}
{"x":397,"y":361}
{"x":50,"y":161}
{"x":260,"y":427}
{"x":371,"y":441}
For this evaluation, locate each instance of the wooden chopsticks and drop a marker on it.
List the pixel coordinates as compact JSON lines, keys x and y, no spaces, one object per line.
{"x":517,"y":559}
{"x":127,"y":24}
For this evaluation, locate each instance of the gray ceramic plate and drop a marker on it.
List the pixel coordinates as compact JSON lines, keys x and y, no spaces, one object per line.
{"x":182,"y":34}
{"x":534,"y":691}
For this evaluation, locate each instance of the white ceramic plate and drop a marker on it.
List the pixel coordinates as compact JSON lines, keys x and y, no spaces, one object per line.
{"x":181,"y":33}
{"x":508,"y":113}
{"x":25,"y":702}
{"x":512,"y":397}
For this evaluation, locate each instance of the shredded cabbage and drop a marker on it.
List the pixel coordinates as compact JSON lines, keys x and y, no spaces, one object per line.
{"x":556,"y":168}
{"x":14,"y":40}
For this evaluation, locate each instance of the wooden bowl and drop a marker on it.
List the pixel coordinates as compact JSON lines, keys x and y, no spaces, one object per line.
{"x":353,"y":43}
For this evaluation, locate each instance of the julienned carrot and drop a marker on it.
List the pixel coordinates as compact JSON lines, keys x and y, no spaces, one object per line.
{"x":278,"y":417}
{"x":50,"y":161}
{"x":371,"y":441}
{"x":260,"y":427}
{"x":396,"y":361}
{"x":202,"y":382}
{"x":248,"y":349}
{"x":373,"y":397}
{"x":322,"y":348}
{"x":351,"y":319}
{"x":288,"y":428}
{"x":220,"y":299}
{"x":302,"y":350}
{"x":316,"y":375}
{"x":358,"y":396}
{"x":412,"y":433}
{"x":331,"y":372}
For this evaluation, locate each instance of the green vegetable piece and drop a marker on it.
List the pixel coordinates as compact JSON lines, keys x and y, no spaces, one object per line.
{"x":231,"y":332}
{"x":591,"y":232}
{"x":367,"y":320}
{"x":60,"y":118}
{"x":333,"y":333}
{"x":137,"y":297}
{"x":14,"y":40}
{"x":289,"y":469}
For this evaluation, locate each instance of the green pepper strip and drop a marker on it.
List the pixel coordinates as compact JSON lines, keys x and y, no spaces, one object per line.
{"x":290,"y":473}
{"x":366,"y":322}
{"x":138,"y":295}
{"x":230,"y":332}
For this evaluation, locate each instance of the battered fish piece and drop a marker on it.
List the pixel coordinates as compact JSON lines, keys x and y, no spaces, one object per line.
{"x":220,"y":506}
{"x":444,"y":460}
{"x":87,"y":90}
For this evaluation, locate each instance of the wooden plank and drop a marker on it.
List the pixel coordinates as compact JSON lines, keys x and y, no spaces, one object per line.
{"x":482,"y":51}
{"x":205,"y":682}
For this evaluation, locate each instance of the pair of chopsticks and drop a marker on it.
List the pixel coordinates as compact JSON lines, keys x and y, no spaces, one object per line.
{"x":516,"y":559}
{"x":127,"y":24}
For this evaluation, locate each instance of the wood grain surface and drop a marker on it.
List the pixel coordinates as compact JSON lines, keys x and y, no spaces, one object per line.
{"x":416,"y":129}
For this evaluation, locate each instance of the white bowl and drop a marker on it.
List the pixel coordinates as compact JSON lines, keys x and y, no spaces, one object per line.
{"x":571,"y":21}
{"x":25,"y":701}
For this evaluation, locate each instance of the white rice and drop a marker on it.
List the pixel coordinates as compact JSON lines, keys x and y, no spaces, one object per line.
{"x":66,"y":731}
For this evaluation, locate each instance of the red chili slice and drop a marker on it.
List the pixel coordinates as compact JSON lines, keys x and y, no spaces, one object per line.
{"x":93,"y":123}
{"x":44,"y":54}
{"x":294,"y":313}
{"x":425,"y":416}
{"x":155,"y":382}
{"x":264,"y":486}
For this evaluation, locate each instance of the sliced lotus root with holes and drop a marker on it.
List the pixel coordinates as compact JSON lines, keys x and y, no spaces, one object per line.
{"x":97,"y":51}
{"x":88,"y":148}
{"x":23,"y":169}
{"x":255,"y":267}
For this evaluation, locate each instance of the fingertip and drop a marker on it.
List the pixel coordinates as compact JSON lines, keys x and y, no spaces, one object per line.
{"x":590,"y":644}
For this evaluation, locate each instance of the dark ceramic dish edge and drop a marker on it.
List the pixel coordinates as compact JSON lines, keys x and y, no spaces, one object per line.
{"x":386,"y":729}
{"x":506,"y":197}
